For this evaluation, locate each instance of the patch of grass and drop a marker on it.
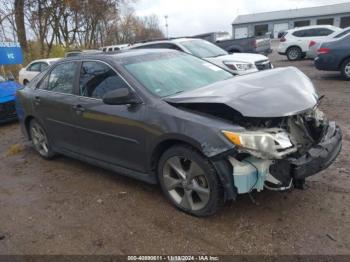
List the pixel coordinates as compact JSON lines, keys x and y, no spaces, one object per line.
{"x":14,"y":150}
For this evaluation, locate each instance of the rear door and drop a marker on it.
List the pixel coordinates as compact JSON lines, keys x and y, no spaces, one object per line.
{"x":53,"y":103}
{"x":110,"y":133}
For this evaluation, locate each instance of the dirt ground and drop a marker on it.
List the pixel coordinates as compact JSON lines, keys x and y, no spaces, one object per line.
{"x":68,"y":207}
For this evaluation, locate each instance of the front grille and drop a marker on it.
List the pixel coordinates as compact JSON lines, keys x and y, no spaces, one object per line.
{"x":263,"y":65}
{"x":7,"y":110}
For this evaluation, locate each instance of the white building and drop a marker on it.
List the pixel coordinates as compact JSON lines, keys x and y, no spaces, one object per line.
{"x":274,"y":22}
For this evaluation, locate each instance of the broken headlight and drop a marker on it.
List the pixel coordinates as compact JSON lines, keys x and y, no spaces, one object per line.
{"x":269,"y":144}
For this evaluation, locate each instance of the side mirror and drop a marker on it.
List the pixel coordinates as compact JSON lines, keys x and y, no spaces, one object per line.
{"x":120,"y":96}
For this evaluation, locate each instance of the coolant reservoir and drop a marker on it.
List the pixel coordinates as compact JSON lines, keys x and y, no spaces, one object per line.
{"x":249,"y":173}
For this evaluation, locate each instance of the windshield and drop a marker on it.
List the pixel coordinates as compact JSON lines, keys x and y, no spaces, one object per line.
{"x":203,"y":49}
{"x":166,"y":74}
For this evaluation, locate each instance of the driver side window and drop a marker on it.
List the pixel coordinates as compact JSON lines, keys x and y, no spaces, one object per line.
{"x":97,"y":79}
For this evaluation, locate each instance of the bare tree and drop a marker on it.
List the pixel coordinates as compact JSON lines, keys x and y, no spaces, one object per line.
{"x":19,"y":19}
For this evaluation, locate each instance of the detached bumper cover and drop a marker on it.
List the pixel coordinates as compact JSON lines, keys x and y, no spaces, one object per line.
{"x":320,"y":156}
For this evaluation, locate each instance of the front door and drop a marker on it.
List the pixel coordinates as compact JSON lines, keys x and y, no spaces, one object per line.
{"x":110,"y":133}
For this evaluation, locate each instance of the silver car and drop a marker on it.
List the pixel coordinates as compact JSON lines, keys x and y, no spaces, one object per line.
{"x":314,"y":45}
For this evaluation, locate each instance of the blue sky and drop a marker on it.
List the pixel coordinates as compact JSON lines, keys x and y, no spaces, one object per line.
{"x":188,"y":17}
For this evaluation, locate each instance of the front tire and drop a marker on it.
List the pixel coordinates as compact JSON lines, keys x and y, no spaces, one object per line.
{"x":190,"y":181}
{"x":345,"y":69}
{"x":294,"y":53}
{"x":40,"y":140}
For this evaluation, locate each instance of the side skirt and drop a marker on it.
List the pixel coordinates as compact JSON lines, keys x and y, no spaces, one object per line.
{"x":145,"y":177}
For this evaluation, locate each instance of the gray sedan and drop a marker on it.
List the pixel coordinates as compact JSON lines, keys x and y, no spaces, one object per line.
{"x":169,"y":118}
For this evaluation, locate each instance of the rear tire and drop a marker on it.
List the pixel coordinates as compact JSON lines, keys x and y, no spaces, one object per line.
{"x":294,"y":53}
{"x":40,"y":140}
{"x":190,"y":181}
{"x":345,"y":69}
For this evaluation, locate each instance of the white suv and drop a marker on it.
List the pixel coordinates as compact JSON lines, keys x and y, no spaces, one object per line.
{"x":295,"y":43}
{"x":237,"y":63}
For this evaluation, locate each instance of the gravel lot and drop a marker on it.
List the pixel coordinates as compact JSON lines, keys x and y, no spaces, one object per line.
{"x":68,"y":207}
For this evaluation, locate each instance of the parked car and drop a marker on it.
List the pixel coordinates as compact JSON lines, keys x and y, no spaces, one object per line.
{"x":237,"y":63}
{"x":81,"y":52}
{"x":164,"y":116}
{"x":335,"y":56}
{"x":27,"y":73}
{"x":8,"y":88}
{"x":256,"y":45}
{"x":295,"y":43}
{"x":113,"y":48}
{"x":314,"y":45}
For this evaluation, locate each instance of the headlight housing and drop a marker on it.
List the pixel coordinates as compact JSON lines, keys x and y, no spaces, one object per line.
{"x":269,"y":144}
{"x":239,"y":66}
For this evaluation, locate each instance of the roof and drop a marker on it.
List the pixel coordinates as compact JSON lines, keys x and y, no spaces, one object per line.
{"x":334,"y":28}
{"x":293,"y":13}
{"x":46,"y":60}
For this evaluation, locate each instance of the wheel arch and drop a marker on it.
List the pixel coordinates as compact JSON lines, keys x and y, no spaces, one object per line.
{"x":27,"y":121}
{"x":294,"y":46}
{"x":342,"y":61}
{"x":166,"y":143}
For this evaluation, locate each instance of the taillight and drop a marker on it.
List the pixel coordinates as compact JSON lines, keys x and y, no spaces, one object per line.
{"x":323,"y":50}
{"x":283,"y":39}
{"x":312,"y":43}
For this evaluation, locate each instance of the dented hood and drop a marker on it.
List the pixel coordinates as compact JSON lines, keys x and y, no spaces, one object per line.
{"x":272,"y":93}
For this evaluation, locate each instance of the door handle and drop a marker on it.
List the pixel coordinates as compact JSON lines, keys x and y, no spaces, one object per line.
{"x":37,"y":100}
{"x":79,"y":109}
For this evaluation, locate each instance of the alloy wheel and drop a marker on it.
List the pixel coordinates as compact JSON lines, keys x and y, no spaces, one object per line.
{"x":293,"y":54}
{"x":186,"y":183}
{"x":347,"y":69}
{"x":39,"y":140}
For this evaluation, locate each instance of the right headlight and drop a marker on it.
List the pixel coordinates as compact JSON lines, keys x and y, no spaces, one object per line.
{"x":263,"y":144}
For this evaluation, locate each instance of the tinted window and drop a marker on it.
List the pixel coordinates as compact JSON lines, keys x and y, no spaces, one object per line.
{"x":110,"y":49}
{"x":36,"y":67}
{"x":61,"y":78}
{"x":96,"y":79}
{"x":321,"y":32}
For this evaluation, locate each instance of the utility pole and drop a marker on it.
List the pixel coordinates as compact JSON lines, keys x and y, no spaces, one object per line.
{"x":167,"y":26}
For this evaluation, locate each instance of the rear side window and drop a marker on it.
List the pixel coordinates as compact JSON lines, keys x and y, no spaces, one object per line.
{"x":61,"y":78}
{"x":97,"y":79}
{"x":303,"y":33}
{"x":321,"y":32}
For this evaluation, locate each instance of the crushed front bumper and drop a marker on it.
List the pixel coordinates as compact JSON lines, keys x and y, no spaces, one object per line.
{"x":320,"y":156}
{"x":316,"y":159}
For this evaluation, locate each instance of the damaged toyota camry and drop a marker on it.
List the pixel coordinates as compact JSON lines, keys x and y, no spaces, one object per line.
{"x":166,"y":117}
